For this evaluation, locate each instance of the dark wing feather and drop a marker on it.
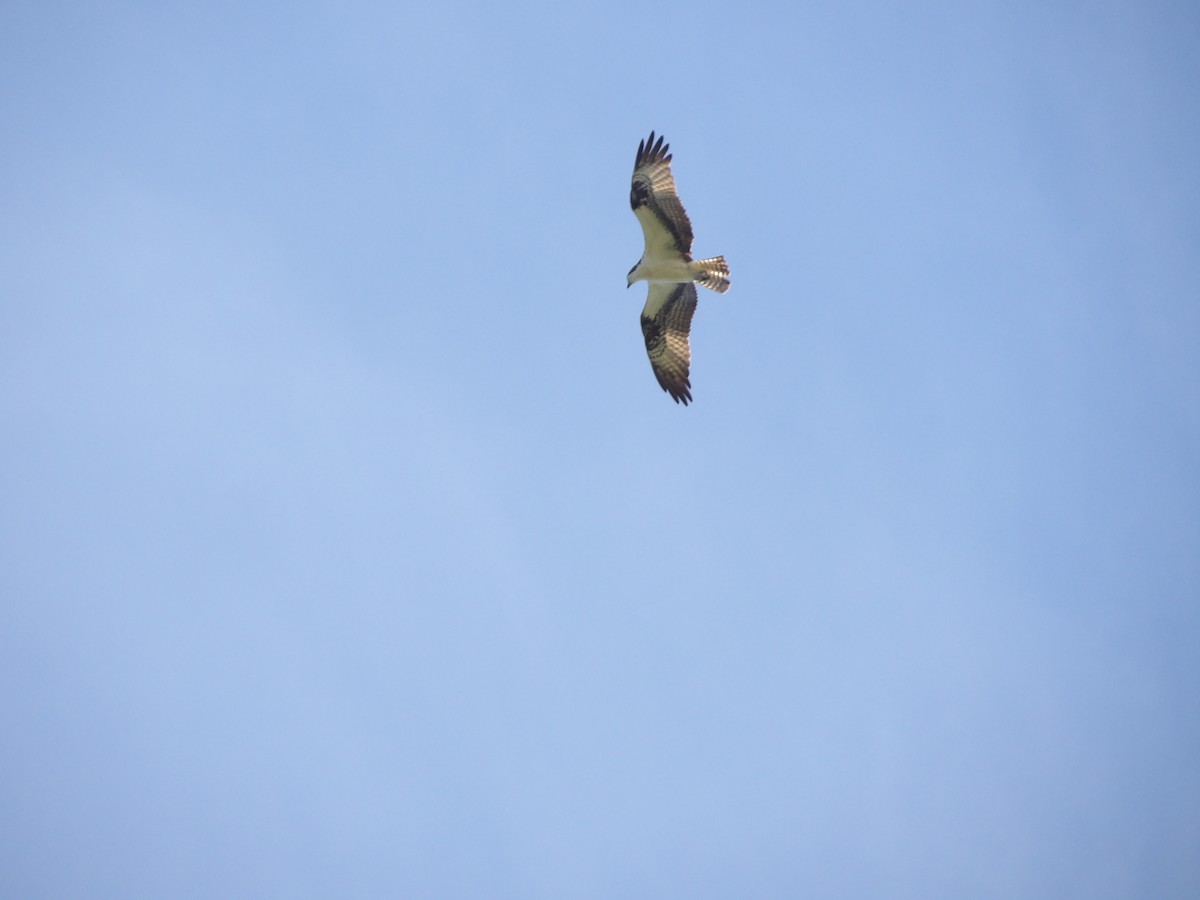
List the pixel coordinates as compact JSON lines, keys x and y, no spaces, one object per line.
{"x":666,"y":321}
{"x":654,"y":188}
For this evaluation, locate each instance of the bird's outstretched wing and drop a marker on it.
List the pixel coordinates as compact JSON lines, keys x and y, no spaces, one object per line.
{"x":654,"y":201}
{"x":666,"y":321}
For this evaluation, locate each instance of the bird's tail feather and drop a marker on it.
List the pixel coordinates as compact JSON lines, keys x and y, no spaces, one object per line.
{"x":712,"y":273}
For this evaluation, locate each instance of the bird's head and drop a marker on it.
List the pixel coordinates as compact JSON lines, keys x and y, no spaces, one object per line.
{"x":629,"y":279}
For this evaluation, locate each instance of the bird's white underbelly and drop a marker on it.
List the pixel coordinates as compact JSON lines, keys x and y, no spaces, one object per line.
{"x":668,"y":270}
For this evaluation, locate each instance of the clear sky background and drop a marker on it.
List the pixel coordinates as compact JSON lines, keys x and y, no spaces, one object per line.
{"x":348,"y":546}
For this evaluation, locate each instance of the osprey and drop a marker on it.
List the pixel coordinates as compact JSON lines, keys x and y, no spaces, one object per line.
{"x":668,"y":266}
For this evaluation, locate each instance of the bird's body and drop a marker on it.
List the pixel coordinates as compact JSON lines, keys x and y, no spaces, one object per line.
{"x":668,"y":267}
{"x":664,"y":270}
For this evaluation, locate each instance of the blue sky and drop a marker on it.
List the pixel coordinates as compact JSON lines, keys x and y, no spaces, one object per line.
{"x":348,"y":546}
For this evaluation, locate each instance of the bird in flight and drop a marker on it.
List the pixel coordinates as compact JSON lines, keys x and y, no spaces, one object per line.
{"x":668,"y":267}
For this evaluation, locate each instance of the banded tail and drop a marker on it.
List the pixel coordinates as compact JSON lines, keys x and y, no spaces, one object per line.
{"x":712,"y":273}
